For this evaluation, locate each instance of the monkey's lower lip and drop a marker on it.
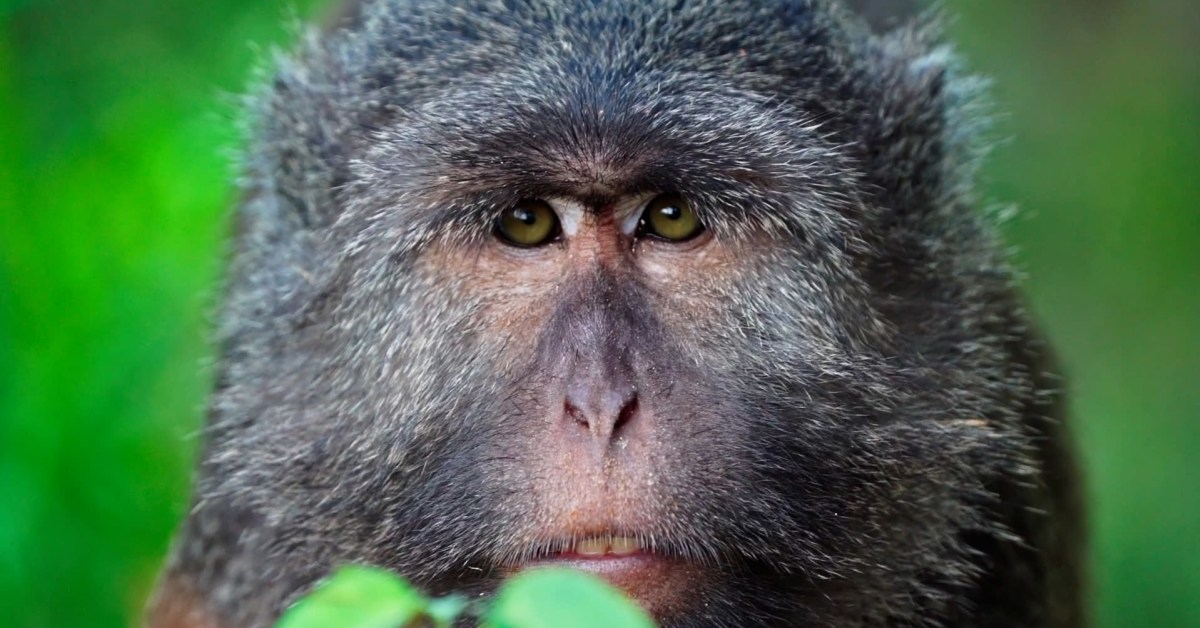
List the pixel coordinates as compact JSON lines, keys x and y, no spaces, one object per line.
{"x":660,"y":584}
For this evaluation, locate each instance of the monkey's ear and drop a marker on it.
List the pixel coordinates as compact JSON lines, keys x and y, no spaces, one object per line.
{"x":299,"y":138}
{"x":923,"y":136}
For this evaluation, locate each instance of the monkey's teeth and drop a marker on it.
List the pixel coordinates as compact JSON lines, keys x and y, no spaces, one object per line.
{"x":591,"y":547}
{"x":599,"y":546}
{"x":623,"y":546}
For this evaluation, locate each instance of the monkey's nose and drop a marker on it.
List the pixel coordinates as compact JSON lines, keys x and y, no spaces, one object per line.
{"x":600,"y":406}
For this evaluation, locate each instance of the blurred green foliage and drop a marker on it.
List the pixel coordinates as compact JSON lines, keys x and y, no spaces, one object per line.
{"x":555,"y":597}
{"x":115,"y":124}
{"x":546,"y":597}
{"x":363,"y":597}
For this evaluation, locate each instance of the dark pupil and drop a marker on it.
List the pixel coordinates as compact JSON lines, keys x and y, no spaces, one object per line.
{"x":524,"y":215}
{"x":670,"y":211}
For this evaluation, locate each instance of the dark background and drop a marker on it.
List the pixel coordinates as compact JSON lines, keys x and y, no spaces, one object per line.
{"x":117,"y":120}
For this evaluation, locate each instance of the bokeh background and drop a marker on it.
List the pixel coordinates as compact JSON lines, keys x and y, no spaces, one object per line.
{"x":117,"y":120}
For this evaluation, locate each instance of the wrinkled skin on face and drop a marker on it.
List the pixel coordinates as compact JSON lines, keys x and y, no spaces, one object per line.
{"x":825,"y":408}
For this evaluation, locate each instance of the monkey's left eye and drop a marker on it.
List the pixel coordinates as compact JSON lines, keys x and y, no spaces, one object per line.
{"x":670,"y":217}
{"x":528,"y":223}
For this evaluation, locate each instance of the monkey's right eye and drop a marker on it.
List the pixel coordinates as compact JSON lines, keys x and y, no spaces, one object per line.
{"x":528,"y":223}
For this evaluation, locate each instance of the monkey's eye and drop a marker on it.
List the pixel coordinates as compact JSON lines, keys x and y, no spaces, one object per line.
{"x":670,"y":217}
{"x":528,"y":223}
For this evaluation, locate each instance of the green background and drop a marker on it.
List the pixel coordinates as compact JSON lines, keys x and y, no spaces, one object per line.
{"x":117,"y":119}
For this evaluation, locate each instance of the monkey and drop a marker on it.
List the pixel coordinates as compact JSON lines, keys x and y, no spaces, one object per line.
{"x":695,"y":295}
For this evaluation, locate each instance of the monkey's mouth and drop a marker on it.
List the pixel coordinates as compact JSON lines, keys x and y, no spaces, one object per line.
{"x":657,"y":579}
{"x":599,"y":547}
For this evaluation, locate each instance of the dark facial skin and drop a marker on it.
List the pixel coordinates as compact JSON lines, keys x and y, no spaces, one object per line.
{"x":801,"y":393}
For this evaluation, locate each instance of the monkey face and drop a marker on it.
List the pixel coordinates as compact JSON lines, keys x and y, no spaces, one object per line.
{"x":617,"y":338}
{"x":706,"y":319}
{"x":594,"y":402}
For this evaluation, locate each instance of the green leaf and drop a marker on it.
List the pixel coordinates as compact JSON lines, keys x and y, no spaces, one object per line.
{"x":357,"y":597}
{"x":553,"y":597}
{"x":445,"y":610}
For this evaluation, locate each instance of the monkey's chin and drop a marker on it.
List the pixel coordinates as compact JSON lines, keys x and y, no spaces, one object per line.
{"x":660,"y":584}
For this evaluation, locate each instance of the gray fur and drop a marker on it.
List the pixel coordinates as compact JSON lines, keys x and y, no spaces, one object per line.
{"x":883,"y":442}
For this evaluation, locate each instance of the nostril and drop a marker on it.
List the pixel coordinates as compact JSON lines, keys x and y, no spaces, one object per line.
{"x":575,"y":414}
{"x":628,"y":411}
{"x":605,"y":415}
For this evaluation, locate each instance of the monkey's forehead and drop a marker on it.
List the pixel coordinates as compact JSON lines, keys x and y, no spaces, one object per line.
{"x":591,"y":141}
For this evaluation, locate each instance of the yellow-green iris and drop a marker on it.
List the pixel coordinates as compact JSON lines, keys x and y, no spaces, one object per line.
{"x":528,"y":223}
{"x":670,"y":217}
